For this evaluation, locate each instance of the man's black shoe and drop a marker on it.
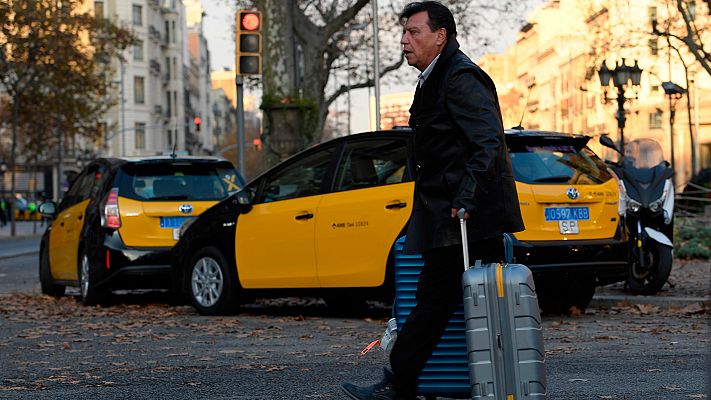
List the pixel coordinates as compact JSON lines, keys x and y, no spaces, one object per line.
{"x":383,"y":390}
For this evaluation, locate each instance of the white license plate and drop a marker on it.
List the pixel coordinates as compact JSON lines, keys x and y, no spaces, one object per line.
{"x":569,"y":227}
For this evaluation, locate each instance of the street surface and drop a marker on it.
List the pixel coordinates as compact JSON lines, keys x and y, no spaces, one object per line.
{"x":147,"y":345}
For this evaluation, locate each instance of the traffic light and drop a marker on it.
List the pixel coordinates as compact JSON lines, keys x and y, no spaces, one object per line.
{"x":249,"y":42}
{"x":197,"y":121}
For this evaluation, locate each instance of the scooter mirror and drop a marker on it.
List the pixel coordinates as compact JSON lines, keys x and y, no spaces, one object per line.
{"x":607,"y":142}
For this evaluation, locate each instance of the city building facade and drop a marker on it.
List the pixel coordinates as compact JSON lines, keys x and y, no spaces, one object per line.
{"x":198,"y":85}
{"x":150,"y":117}
{"x":549,"y":79}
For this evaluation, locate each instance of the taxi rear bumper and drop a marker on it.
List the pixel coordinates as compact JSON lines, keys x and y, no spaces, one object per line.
{"x":128,"y":267}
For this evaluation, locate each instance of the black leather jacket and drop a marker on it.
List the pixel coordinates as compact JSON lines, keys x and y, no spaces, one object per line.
{"x":461,"y":156}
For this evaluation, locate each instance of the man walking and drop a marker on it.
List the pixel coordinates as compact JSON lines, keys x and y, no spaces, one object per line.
{"x":462,"y":162}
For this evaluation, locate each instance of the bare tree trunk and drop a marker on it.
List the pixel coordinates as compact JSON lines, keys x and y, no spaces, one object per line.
{"x":282,"y":136}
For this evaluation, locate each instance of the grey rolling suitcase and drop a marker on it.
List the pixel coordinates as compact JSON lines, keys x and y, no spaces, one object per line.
{"x":503,"y":329}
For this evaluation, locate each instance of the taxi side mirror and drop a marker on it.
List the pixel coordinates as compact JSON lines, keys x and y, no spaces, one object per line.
{"x":243,"y":200}
{"x":48,"y":209}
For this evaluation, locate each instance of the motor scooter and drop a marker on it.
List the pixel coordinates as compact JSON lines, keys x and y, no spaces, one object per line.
{"x":649,"y":216}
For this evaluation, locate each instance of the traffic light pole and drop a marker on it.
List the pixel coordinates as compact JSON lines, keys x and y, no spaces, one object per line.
{"x":240,"y":123}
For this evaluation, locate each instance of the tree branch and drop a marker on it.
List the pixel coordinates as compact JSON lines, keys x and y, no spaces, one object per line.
{"x":368,"y":83}
{"x":697,"y":49}
{"x":340,"y":21}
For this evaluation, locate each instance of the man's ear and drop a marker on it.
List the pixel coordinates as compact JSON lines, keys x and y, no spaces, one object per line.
{"x":441,"y":36}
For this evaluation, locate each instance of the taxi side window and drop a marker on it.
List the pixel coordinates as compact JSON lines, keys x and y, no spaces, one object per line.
{"x":372,"y":163}
{"x":100,"y":175}
{"x":301,"y":178}
{"x":75,"y":191}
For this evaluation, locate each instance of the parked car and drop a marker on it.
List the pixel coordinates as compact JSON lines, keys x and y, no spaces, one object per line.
{"x":326,"y":220}
{"x":119,"y":219}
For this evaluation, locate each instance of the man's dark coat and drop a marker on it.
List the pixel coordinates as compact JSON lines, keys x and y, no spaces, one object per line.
{"x":461,"y":157}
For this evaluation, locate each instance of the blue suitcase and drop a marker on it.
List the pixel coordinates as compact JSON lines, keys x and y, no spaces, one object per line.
{"x":446,"y":373}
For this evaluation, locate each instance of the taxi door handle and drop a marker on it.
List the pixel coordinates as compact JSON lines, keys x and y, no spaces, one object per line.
{"x":396,"y":205}
{"x":304,"y":216}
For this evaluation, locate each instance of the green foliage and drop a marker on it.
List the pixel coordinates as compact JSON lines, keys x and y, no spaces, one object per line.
{"x":692,"y":237}
{"x":55,"y":67}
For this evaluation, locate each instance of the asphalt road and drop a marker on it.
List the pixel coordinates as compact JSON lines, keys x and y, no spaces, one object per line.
{"x":147,"y":346}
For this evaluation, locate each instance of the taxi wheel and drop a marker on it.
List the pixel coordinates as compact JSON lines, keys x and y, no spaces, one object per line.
{"x":90,"y":294}
{"x":564,"y":296}
{"x":45,"y":274}
{"x":212,"y":285}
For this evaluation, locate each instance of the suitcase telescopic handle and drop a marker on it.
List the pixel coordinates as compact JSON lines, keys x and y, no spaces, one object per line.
{"x":465,"y":242}
{"x":508,"y":242}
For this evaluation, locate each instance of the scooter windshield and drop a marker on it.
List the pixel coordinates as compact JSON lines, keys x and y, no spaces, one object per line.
{"x":644,"y":153}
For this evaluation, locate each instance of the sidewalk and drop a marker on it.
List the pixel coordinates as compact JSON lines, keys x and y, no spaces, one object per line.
{"x":689,"y":283}
{"x":26,"y":240}
{"x":23,"y":229}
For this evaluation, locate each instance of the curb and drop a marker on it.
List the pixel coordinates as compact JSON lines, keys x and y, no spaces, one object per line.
{"x":664,"y":301}
{"x":26,"y":253}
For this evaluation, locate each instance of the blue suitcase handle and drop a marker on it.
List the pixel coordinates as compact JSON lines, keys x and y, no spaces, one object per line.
{"x":508,"y":248}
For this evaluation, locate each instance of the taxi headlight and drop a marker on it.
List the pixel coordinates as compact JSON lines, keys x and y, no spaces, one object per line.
{"x":184,"y":227}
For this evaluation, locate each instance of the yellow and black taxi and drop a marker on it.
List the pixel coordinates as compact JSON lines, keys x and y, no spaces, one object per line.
{"x":327,"y":219}
{"x":120,"y":217}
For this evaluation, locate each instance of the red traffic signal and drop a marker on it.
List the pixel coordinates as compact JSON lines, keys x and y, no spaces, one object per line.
{"x":250,"y":21}
{"x":197,"y":122}
{"x":249,"y":42}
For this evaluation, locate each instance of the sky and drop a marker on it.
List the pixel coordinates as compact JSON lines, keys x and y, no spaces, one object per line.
{"x":218,"y":26}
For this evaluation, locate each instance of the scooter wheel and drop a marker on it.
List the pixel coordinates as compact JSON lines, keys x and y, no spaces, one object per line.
{"x":651,"y":278}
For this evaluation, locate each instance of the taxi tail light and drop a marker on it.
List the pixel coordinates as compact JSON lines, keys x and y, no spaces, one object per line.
{"x":110,"y":217}
{"x":108,"y":259}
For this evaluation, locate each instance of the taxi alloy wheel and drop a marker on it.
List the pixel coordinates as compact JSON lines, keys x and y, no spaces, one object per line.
{"x":207,"y":282}
{"x":212,"y":284}
{"x":90,"y":294}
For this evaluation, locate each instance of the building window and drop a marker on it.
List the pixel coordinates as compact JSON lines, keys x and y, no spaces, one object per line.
{"x":137,"y":15}
{"x":173,"y":38}
{"x":655,"y":119}
{"x":691,"y":6}
{"x":167,"y":67}
{"x":140,"y":139}
{"x":138,"y":51}
{"x":169,"y":138}
{"x":139,"y":90}
{"x":652,"y":12}
{"x":175,"y":102}
{"x":169,"y":104}
{"x":99,"y":9}
{"x":654,"y":46}
{"x":167,"y":32}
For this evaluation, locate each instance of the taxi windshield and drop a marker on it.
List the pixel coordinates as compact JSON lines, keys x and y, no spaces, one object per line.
{"x":179,"y":181}
{"x":542,"y":162}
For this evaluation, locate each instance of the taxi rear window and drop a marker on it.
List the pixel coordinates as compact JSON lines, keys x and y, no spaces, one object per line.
{"x":179,"y":181}
{"x":541,"y":163}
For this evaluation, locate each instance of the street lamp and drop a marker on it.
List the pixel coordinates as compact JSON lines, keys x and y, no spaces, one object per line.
{"x":623,"y":76}
{"x":674,"y":92}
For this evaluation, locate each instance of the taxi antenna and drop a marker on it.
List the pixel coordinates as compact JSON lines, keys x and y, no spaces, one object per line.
{"x":173,"y":155}
{"x":528,"y":97}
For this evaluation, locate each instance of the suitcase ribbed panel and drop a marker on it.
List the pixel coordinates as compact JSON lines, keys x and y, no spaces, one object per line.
{"x":506,"y":355}
{"x":446,"y":373}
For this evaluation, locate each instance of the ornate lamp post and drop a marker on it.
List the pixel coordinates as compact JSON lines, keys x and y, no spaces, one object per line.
{"x":674,"y":92}
{"x":623,"y":77}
